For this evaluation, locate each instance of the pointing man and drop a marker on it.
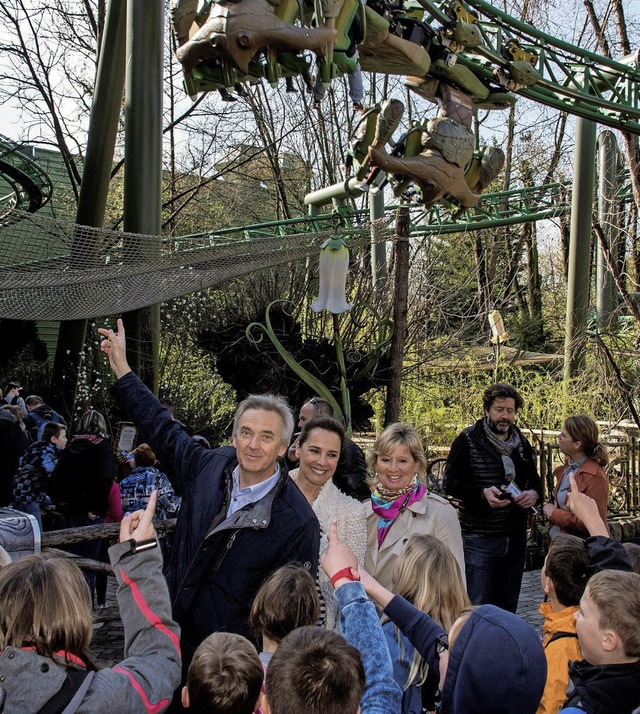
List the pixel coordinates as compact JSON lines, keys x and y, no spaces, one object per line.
{"x":241,"y":516}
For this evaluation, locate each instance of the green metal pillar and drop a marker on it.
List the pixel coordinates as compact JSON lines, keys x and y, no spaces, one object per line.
{"x":92,"y":202}
{"x":607,"y":218}
{"x":378,"y":248}
{"x":579,"y":247}
{"x":143,"y":169}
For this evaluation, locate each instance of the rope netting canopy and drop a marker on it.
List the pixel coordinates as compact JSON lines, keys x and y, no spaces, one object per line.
{"x":57,"y":270}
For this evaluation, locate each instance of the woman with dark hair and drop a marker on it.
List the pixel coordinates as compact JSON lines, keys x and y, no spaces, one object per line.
{"x":319,"y":446}
{"x":586,"y":459}
{"x":82,"y":481}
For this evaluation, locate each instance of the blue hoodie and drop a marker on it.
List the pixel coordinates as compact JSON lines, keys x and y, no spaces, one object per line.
{"x":496,"y":664}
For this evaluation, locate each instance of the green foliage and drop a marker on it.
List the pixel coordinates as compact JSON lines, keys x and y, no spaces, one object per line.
{"x":188,"y":376}
{"x":439,"y":405}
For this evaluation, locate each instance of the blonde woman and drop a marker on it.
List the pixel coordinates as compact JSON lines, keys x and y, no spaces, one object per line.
{"x":430,"y":579}
{"x":400,"y":504}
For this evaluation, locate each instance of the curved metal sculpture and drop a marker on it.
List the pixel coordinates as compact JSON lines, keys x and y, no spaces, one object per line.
{"x":28,"y":186}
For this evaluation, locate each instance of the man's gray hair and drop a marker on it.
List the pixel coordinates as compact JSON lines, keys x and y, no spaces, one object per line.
{"x":269,"y":403}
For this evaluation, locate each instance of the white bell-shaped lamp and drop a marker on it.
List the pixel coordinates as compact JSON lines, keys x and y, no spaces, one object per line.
{"x":334,"y":264}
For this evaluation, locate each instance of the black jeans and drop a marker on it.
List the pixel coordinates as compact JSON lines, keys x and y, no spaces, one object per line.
{"x":494,"y":567}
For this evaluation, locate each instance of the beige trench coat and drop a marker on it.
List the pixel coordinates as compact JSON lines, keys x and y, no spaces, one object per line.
{"x":431,"y":515}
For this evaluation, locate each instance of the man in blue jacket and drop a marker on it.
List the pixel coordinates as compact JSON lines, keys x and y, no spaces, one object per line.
{"x":241,"y":516}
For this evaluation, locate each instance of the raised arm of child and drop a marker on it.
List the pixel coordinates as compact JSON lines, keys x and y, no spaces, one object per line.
{"x":361,"y":627}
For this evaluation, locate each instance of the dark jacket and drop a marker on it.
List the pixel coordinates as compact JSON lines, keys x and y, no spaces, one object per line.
{"x":11,"y":449}
{"x":606,"y":554}
{"x":351,"y":474}
{"x":496,"y":664}
{"x":83,"y":476}
{"x":474,"y":464}
{"x":214,"y":573}
{"x":604,"y":689}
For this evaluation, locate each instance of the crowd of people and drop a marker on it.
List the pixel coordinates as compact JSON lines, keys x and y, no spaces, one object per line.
{"x":302,"y":579}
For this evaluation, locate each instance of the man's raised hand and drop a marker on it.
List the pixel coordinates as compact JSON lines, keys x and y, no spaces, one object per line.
{"x":115,"y":347}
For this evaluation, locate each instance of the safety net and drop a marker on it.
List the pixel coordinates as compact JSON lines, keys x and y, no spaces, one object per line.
{"x":57,"y":270}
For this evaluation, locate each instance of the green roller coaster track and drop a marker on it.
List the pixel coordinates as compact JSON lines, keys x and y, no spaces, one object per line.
{"x":566,"y":77}
{"x":570,"y":79}
{"x":27,"y":187}
{"x":501,"y":208}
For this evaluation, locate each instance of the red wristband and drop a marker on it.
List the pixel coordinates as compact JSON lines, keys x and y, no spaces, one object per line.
{"x":348,"y":573}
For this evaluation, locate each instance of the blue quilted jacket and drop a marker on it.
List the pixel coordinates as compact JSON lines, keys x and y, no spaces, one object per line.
{"x":214,"y":573}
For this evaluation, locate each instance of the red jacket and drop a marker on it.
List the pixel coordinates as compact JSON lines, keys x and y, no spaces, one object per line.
{"x":590,"y":479}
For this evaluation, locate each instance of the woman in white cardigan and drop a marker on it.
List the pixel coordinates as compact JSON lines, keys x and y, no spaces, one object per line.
{"x":319,"y":446}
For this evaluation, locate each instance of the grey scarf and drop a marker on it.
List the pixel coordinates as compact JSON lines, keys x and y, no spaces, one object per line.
{"x":504,"y":448}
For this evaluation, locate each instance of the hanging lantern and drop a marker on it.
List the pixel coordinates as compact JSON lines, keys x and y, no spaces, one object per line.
{"x":334,"y":263}
{"x":498,"y":332}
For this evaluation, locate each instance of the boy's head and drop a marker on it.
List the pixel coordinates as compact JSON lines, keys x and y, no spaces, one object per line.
{"x":286,"y":600}
{"x":633,"y":551}
{"x":608,"y":621}
{"x":225,"y":676}
{"x":55,"y":434}
{"x":314,"y":671}
{"x":565,"y":572}
{"x":495,"y":662}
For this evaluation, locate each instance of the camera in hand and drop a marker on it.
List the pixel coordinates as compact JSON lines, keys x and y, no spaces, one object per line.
{"x":510,"y":491}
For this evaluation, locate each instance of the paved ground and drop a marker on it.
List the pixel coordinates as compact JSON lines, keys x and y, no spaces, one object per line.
{"x":108,"y":640}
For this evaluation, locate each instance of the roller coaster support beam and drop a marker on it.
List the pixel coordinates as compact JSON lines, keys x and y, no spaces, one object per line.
{"x":337,"y":192}
{"x":608,"y":219}
{"x":378,"y":248}
{"x":579,"y":247}
{"x":92,"y":202}
{"x":143,"y":170}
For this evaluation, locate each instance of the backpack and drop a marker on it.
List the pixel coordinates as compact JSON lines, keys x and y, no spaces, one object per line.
{"x":27,"y":483}
{"x":559,"y":636}
{"x":41,"y":421}
{"x":70,"y":695}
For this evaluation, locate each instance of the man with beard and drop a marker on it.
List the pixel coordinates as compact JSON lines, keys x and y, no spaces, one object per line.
{"x":491,"y":471}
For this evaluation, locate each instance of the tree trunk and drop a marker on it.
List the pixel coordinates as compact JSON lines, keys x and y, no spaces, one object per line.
{"x":400,"y":302}
{"x":483,"y":283}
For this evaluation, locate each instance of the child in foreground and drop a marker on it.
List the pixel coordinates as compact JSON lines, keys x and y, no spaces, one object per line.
{"x":46,"y":630}
{"x":564,"y":577}
{"x":429,"y":578}
{"x":287,"y":599}
{"x":607,"y":680}
{"x":318,"y":671}
{"x":225,"y":676}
